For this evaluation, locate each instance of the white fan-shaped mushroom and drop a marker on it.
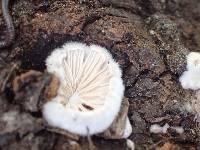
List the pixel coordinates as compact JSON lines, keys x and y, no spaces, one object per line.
{"x":190,"y":79}
{"x":90,"y":92}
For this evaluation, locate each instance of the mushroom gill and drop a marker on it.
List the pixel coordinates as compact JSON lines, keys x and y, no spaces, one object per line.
{"x":86,"y":83}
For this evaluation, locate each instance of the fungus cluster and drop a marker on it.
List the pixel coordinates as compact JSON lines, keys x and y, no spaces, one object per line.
{"x":156,"y":128}
{"x":90,"y":91}
{"x":190,"y":79}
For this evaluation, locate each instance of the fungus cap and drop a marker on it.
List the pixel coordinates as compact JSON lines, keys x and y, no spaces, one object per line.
{"x":193,"y":61}
{"x":90,"y":92}
{"x":190,"y":79}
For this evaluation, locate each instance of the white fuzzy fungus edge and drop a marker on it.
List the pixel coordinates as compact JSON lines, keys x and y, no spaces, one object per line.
{"x":87,"y":122}
{"x":130,"y":144}
{"x":190,"y":79}
{"x":128,"y":129}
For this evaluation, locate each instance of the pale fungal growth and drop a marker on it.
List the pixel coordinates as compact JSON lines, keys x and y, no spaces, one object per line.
{"x":130,"y":144}
{"x":188,"y":107}
{"x":193,"y":61}
{"x":90,"y":92}
{"x":128,"y":129}
{"x":190,"y":79}
{"x":156,"y":128}
{"x":179,"y":130}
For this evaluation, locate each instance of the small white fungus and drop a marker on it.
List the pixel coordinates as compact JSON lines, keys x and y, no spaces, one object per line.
{"x":128,"y":129}
{"x":156,"y":128}
{"x":179,"y":130}
{"x":130,"y":144}
{"x":90,"y":92}
{"x":188,"y":107}
{"x":165,"y":128}
{"x":190,"y":79}
{"x":195,"y":107}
